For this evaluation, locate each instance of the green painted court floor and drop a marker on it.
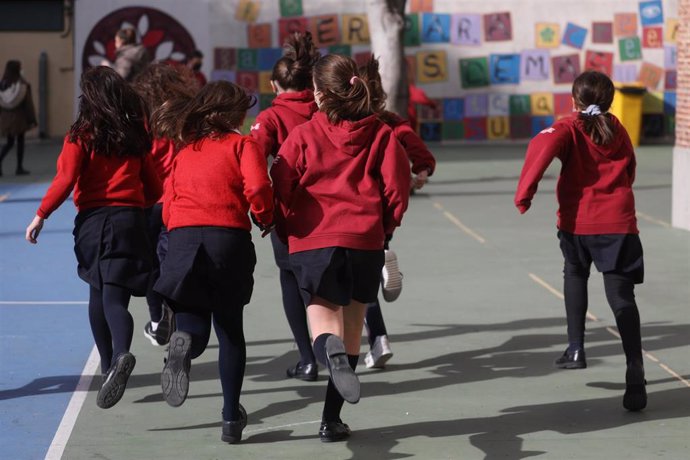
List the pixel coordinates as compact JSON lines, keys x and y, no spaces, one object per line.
{"x":474,"y":334}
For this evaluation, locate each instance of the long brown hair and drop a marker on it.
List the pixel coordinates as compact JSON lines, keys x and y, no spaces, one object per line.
{"x":112,"y":116}
{"x":294,"y":69}
{"x":370,"y":73}
{"x":159,"y":83}
{"x":11,"y":75}
{"x":217,"y":109}
{"x":345,"y":92}
{"x":594,"y":88}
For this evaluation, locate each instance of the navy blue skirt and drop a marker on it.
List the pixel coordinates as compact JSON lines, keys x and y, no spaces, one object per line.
{"x":280,"y":252}
{"x":112,"y":247}
{"x":207,"y":268}
{"x":338,"y":275}
{"x":610,"y":253}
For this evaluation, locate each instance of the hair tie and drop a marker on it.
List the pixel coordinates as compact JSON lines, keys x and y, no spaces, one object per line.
{"x":353,"y":79}
{"x":592,"y":110}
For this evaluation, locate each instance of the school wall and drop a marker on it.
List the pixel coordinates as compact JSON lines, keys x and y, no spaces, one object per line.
{"x":27,"y":47}
{"x":680,"y":216}
{"x":501,"y":70}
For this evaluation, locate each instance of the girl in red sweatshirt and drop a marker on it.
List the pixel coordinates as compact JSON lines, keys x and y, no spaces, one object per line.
{"x":342,"y":182}
{"x":292,"y":81}
{"x":596,"y":219}
{"x":106,"y":160}
{"x":217,"y":178}
{"x":157,"y":84}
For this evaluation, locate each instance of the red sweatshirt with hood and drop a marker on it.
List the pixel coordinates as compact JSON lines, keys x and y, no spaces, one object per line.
{"x":340,"y":185}
{"x":273,"y":125}
{"x":416,"y":149}
{"x":594,"y":187}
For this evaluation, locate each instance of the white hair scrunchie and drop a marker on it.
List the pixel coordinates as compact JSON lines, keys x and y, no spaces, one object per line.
{"x":592,"y":110}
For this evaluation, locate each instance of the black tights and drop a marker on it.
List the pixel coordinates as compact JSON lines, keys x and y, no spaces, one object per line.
{"x":620,"y":294}
{"x":296,"y":314}
{"x":20,"y":151}
{"x":232,"y":351}
{"x":111,"y":323}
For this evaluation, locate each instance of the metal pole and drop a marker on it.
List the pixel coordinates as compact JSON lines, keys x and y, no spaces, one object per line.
{"x":43,"y":95}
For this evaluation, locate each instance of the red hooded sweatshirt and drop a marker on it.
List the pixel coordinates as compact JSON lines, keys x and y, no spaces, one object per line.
{"x":216,"y":183}
{"x":594,"y":188}
{"x":99,"y":180}
{"x":417,"y":151}
{"x":273,"y":125}
{"x":163,"y":153}
{"x":343,"y":185}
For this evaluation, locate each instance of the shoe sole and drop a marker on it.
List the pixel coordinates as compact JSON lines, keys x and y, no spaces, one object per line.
{"x":165,"y":326}
{"x":344,"y":378}
{"x":175,"y":375}
{"x":391,"y":285}
{"x":305,"y":377}
{"x":570,"y":365}
{"x":112,"y":389}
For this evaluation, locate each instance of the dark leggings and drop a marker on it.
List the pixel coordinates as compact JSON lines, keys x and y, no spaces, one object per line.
{"x":620,"y":294}
{"x":20,"y":150}
{"x":111,"y":323}
{"x":158,"y":236}
{"x":232,"y":352}
{"x":373,"y":320}
{"x":296,"y":314}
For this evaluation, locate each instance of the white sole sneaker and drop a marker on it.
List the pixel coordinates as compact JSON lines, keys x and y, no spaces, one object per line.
{"x":379,"y":354}
{"x":391,"y":278}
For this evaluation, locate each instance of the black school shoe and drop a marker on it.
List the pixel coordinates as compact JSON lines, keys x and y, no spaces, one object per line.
{"x":635,"y":397}
{"x":115,"y":381}
{"x":571,"y":360}
{"x":308,"y":372}
{"x":232,"y":430}
{"x":175,"y":375}
{"x":344,"y":378}
{"x":334,"y":431}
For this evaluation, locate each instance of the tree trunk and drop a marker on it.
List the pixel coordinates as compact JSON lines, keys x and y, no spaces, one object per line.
{"x":386,"y":28}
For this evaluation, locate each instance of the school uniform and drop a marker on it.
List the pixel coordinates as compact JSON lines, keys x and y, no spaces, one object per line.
{"x":415,"y":148}
{"x":341,"y":188}
{"x":110,"y":194}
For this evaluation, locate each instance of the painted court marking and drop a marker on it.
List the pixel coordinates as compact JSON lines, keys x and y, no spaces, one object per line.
{"x":43,"y":302}
{"x":653,"y":220}
{"x":460,"y":225}
{"x":614,"y":332}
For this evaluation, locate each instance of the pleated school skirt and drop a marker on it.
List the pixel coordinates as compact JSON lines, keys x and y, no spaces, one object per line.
{"x":207,"y":268}
{"x":112,"y":247}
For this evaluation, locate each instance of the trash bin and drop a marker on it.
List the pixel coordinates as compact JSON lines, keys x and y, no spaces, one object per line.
{"x":627,"y":107}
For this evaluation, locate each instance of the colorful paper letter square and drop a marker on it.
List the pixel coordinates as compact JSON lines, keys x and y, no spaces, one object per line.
{"x":466,"y":29}
{"x":625,"y":24}
{"x":325,"y":29}
{"x":224,"y":58}
{"x":504,"y":69}
{"x":652,"y":37}
{"x":602,"y":32}
{"x":290,"y":8}
{"x":432,"y":66}
{"x":265,"y":83}
{"x":288,"y":26}
{"x":629,"y":49}
{"x":624,"y":73}
{"x":520,"y":104}
{"x":452,"y":130}
{"x":248,"y":80}
{"x":265,"y":100}
{"x":534,"y":65}
{"x":247,"y":11}
{"x":435,"y":28}
{"x":355,"y":29}
{"x":498,"y":27}
{"x":223,"y":75}
{"x":474,"y":72}
{"x":411,"y":32}
{"x":475,"y":129}
{"x":499,"y":104}
{"x":259,"y":35}
{"x":574,"y":35}
{"x":541,"y":123}
{"x":565,"y":68}
{"x":670,"y":102}
{"x":541,"y":103}
{"x":562,"y":104}
{"x":498,"y":128}
{"x":671,"y":79}
{"x":651,"y":13}
{"x":650,"y":75}
{"x":421,"y":6}
{"x":247,"y":59}
{"x":670,"y":57}
{"x":453,"y":109}
{"x":547,"y":35}
{"x":600,"y":61}
{"x":345,"y":50}
{"x":430,"y":131}
{"x":267,"y":57}
{"x":521,"y":127}
{"x":476,"y":105}
{"x":671,"y":31}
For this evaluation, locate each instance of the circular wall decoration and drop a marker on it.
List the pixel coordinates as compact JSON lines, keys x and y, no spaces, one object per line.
{"x":162,"y":35}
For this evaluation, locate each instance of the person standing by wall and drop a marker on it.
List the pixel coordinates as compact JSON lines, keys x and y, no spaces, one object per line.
{"x":130,"y":57}
{"x":17,"y":114}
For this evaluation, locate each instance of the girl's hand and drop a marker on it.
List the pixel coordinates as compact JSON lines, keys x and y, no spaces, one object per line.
{"x":421,"y":179}
{"x":33,"y":230}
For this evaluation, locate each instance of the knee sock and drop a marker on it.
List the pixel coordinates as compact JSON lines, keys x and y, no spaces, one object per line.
{"x":575,"y":294}
{"x":296,"y":314}
{"x":376,"y":327}
{"x":320,"y":349}
{"x":334,"y":402}
{"x":621,"y":297}
{"x":232,"y":359}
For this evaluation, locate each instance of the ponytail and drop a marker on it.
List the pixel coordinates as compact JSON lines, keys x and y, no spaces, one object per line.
{"x":598,"y":127}
{"x":294,"y":69}
{"x":593,"y":93}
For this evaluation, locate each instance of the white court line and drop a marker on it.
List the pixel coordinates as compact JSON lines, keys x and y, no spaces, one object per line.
{"x":613,"y":332}
{"x":460,"y":225}
{"x":289,"y":425}
{"x":43,"y":302}
{"x":57,"y":447}
{"x":653,"y":220}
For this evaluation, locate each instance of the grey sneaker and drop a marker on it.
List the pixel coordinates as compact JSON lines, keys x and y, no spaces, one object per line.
{"x":391,"y":278}
{"x":379,"y":354}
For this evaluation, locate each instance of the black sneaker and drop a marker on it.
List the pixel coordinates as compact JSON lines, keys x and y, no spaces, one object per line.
{"x":165,"y":328}
{"x":175,"y":375}
{"x":334,"y":431}
{"x":115,"y":381}
{"x":232,"y":430}
{"x":572,"y":360}
{"x":344,"y":378}
{"x":635,"y":397}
